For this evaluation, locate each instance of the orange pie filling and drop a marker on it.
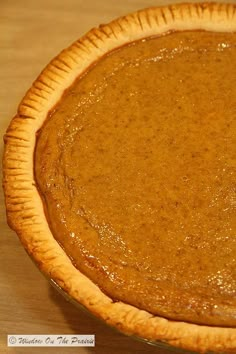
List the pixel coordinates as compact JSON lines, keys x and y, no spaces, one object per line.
{"x":136,"y":169}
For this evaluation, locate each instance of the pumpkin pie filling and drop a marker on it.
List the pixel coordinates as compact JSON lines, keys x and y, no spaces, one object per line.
{"x":136,"y":170}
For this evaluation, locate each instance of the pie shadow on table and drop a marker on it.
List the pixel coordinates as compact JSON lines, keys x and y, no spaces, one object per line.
{"x":80,"y":321}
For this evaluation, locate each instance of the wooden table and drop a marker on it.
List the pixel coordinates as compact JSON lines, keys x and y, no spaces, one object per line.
{"x":31,"y":33}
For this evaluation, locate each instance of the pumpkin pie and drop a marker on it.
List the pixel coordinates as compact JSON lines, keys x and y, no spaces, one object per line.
{"x":119,"y":174}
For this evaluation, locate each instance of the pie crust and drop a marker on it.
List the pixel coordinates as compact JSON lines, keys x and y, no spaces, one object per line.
{"x":25,"y":212}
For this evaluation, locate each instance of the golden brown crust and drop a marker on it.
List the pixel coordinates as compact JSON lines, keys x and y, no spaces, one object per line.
{"x":24,"y":207}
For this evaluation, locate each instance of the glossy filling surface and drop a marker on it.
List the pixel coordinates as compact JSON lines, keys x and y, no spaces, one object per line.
{"x":136,"y":169}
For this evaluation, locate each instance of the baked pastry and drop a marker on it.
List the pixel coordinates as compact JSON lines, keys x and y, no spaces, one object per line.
{"x":119,"y":174}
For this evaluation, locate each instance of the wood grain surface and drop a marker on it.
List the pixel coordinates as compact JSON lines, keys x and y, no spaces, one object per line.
{"x":31,"y":33}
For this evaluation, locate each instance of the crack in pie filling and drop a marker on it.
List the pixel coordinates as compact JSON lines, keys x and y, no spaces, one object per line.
{"x":127,"y":141}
